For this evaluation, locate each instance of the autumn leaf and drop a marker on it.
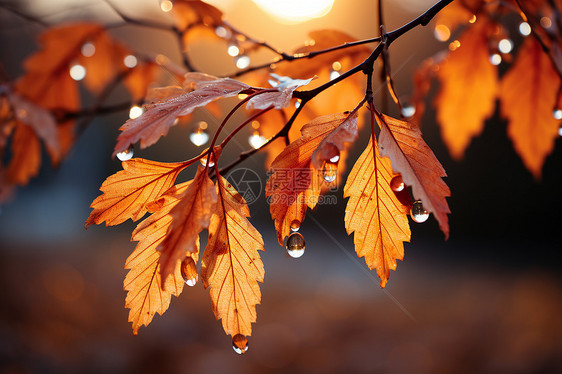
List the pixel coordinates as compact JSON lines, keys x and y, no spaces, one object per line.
{"x":26,"y":155}
{"x":145,"y":296}
{"x":469,"y":85}
{"x":231,"y":265}
{"x":160,"y":116}
{"x":127,"y":192}
{"x":410,"y":156}
{"x":528,"y":96}
{"x":334,"y":143}
{"x":189,"y":217}
{"x":295,"y":184}
{"x":374,"y":213}
{"x":281,"y":97}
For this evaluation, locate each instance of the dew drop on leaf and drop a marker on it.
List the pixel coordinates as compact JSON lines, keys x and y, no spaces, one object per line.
{"x":335,"y":159}
{"x":203,"y":161}
{"x":295,"y":225}
{"x":240,"y":344}
{"x":418,"y":212}
{"x":189,"y":271}
{"x":397,"y":184}
{"x":125,"y":155}
{"x":135,"y":111}
{"x":295,"y":245}
{"x":330,"y":171}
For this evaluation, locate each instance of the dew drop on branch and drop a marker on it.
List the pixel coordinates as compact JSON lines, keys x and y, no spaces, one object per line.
{"x":126,"y":155}
{"x":295,"y":245}
{"x":240,"y":344}
{"x":418,"y":212}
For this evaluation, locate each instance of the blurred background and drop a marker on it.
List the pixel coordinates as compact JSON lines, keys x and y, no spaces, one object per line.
{"x":488,"y":300}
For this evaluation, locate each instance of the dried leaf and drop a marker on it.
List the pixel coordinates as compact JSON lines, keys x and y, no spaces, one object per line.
{"x":469,"y":85}
{"x":189,"y":217}
{"x":145,"y":297}
{"x":333,"y":144}
{"x":159,"y":117}
{"x":278,"y":99}
{"x":26,"y":156}
{"x":295,"y":183}
{"x":411,"y":156}
{"x":231,"y":265}
{"x":374,"y":213}
{"x":528,"y":96}
{"x":127,"y":192}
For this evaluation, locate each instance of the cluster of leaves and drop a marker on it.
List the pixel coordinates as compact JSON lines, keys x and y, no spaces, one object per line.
{"x":309,"y":126}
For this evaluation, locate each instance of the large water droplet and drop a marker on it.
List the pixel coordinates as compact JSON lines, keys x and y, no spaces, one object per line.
{"x":418,"y":212}
{"x":125,"y":155}
{"x":240,"y":344}
{"x":295,"y":225}
{"x":295,"y":245}
{"x":330,"y":171}
{"x":189,"y":271}
{"x":397,"y":184}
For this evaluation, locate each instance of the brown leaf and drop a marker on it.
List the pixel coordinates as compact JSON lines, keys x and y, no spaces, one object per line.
{"x":469,"y":85}
{"x":145,"y":297}
{"x":127,"y":192}
{"x":411,"y":156}
{"x":333,"y":144}
{"x":190,"y":216}
{"x":159,"y":117}
{"x":528,"y":96}
{"x":26,"y":156}
{"x":278,"y":99}
{"x":374,"y":213}
{"x":295,"y":183}
{"x":231,"y":265}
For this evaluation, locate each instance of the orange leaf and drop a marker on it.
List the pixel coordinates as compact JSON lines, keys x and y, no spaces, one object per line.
{"x":188,"y":13}
{"x":26,"y":156}
{"x":145,"y":297}
{"x":160,"y":116}
{"x":295,"y":183}
{"x":127,"y":192}
{"x":375,"y":214}
{"x":528,"y":97}
{"x":411,"y":156}
{"x":190,"y":216}
{"x":469,"y":85}
{"x":333,"y":144}
{"x":231,"y":265}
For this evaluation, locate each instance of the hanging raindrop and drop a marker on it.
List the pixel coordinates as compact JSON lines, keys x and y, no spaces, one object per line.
{"x":418,"y":212}
{"x":295,"y":245}
{"x":203,"y":161}
{"x":189,"y":271}
{"x":330,"y":171}
{"x":295,"y":225}
{"x":397,"y":184}
{"x":125,"y":155}
{"x":240,"y":344}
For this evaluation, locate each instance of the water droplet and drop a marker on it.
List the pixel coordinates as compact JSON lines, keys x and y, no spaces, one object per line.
{"x":397,"y":184}
{"x":557,"y":113}
{"x":295,"y":225}
{"x":418,"y":212}
{"x":233,"y":50}
{"x":408,"y":111}
{"x":130,"y":61}
{"x":330,"y":171}
{"x":298,"y":103}
{"x":77,"y":72}
{"x":189,"y":271}
{"x":203,"y":161}
{"x":256,"y":140}
{"x":88,"y":49}
{"x":240,"y":344}
{"x":335,"y":159}
{"x":495,"y":59}
{"x":126,"y":155}
{"x":295,"y":245}
{"x":223,"y":32}
{"x":199,"y":136}
{"x":135,"y":111}
{"x":242,"y":61}
{"x":524,"y":29}
{"x":505,"y":46}
{"x":334,"y":74}
{"x":442,"y":33}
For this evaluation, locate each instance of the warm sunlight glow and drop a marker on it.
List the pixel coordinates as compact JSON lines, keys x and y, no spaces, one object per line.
{"x":295,"y":11}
